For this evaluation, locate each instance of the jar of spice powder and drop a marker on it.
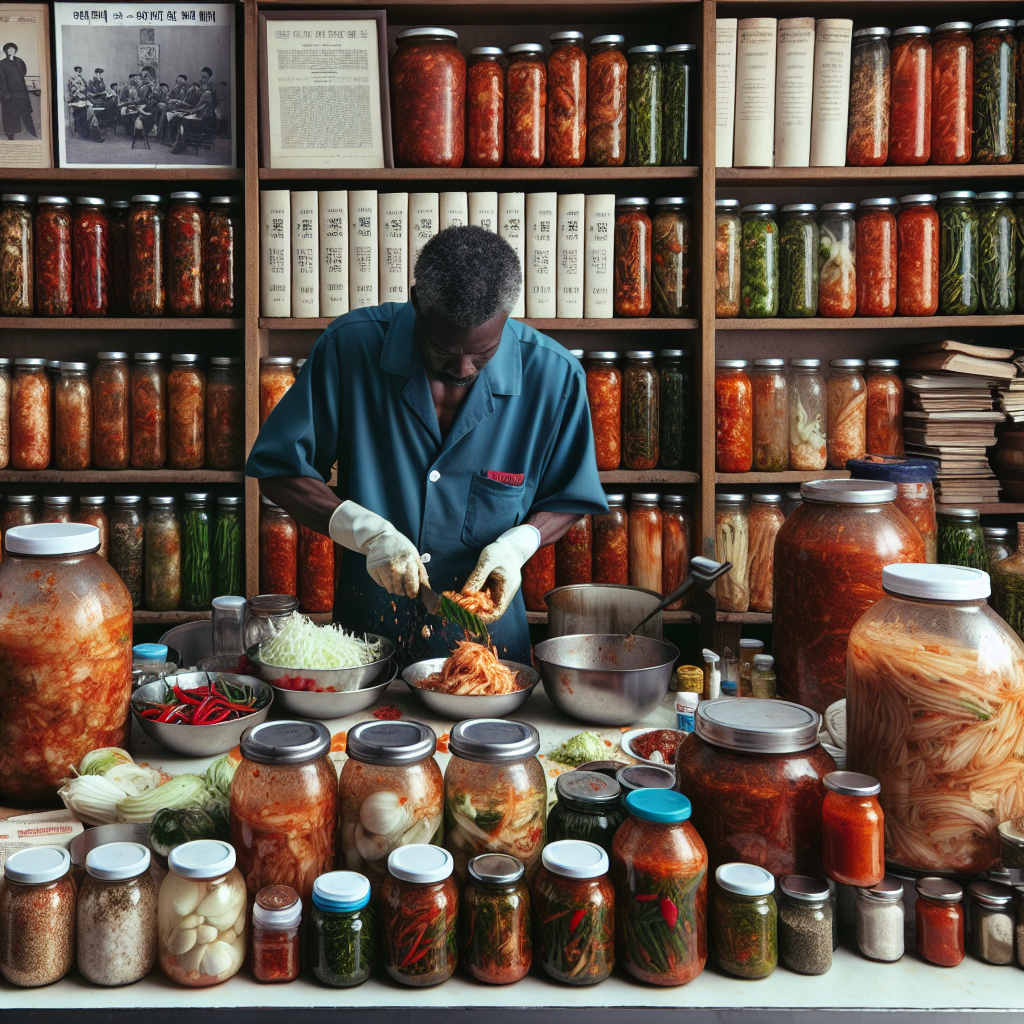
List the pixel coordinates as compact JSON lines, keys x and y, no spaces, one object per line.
{"x":495,"y":913}
{"x":276,"y":913}
{"x":744,"y":920}
{"x":853,"y":830}
{"x":805,"y":925}
{"x":344,"y":929}
{"x":879,"y":920}
{"x":992,"y":922}
{"x":611,"y":543}
{"x":940,"y":921}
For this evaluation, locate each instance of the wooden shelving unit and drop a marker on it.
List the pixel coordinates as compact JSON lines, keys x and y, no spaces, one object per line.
{"x":790,"y":476}
{"x":583,"y":324}
{"x":122,"y":476}
{"x":119,"y":323}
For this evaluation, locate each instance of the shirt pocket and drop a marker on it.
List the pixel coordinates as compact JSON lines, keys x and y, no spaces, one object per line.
{"x":493,"y":508}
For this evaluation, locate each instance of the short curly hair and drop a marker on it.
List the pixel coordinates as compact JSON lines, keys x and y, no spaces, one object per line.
{"x":468,"y":275}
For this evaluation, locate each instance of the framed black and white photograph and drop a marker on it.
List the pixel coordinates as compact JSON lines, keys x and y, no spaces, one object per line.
{"x":25,"y":136}
{"x":145,"y":86}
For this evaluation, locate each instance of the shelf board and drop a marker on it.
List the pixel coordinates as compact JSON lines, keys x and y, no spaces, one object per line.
{"x":790,"y":476}
{"x":108,"y":175}
{"x":119,"y":323}
{"x":651,"y":323}
{"x":667,"y":618}
{"x":1000,"y":508}
{"x":860,"y":175}
{"x":121,"y":476}
{"x":491,"y":174}
{"x":648,"y":476}
{"x":751,"y":618}
{"x":865,"y":323}
{"x":142,"y":617}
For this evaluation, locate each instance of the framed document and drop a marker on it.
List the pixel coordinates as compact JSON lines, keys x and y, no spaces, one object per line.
{"x":324,"y":89}
{"x":26,"y":139}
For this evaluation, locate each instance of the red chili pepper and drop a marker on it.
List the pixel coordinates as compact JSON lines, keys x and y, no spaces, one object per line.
{"x":644,"y":897}
{"x":669,"y":911}
{"x":188,"y":697}
{"x":576,"y":918}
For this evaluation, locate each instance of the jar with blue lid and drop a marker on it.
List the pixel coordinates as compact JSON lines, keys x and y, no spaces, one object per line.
{"x":343,"y":929}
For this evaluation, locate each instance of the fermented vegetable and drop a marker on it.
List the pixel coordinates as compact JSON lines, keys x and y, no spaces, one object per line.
{"x":301,"y":643}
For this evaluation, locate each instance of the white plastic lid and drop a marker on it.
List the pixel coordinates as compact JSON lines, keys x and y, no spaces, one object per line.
{"x":688,"y":698}
{"x":745,"y":879}
{"x":202,"y":858}
{"x":37,"y":865}
{"x":421,"y":862}
{"x":574,"y":858}
{"x":114,"y":862}
{"x":52,"y":539}
{"x":936,"y":582}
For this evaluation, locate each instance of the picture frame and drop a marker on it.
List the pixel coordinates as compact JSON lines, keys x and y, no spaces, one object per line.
{"x":26,"y":131}
{"x":304,"y":49}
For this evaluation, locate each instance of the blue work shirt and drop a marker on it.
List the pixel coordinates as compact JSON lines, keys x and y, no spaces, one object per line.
{"x":521,"y":443}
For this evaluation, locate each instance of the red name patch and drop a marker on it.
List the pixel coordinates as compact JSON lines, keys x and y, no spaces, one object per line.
{"x":512,"y":479}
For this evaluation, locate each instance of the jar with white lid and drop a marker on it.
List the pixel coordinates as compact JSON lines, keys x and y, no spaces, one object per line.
{"x":744,"y":920}
{"x":880,"y":920}
{"x":117,"y":903}
{"x":276,"y":915}
{"x":992,"y":922}
{"x":344,"y":929}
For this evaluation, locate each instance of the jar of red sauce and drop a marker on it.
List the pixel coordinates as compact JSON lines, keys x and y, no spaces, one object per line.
{"x":149,"y":411}
{"x":186,"y":226}
{"x":146,"y":294}
{"x":573,"y":554}
{"x":940,"y":921}
{"x":853,"y":830}
{"x":279,"y":550}
{"x":917,"y":228}
{"x":645,"y":541}
{"x":223,"y":257}
{"x":734,"y":416}
{"x":633,"y":257}
{"x":885,"y":408}
{"x":526,"y":122}
{"x":485,"y":108}
{"x":877,"y":257}
{"x":611,"y":543}
{"x":606,"y":101}
{"x":316,"y":571}
{"x":89,"y":253}
{"x":567,"y":101}
{"x":910,"y":122}
{"x":604,"y":395}
{"x":952,"y":91}
{"x":73,"y":421}
{"x":31,"y":415}
{"x":186,"y":407}
{"x":53,"y":256}
{"x":276,"y":914}
{"x":428,"y":84}
{"x":111,"y":397}
{"x":675,"y":545}
{"x":539,"y":578}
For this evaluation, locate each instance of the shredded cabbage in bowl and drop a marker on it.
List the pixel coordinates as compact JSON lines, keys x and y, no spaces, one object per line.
{"x":303,"y":644}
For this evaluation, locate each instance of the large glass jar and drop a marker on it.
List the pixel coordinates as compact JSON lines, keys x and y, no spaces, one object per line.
{"x":149,"y":411}
{"x":640,"y":412}
{"x":992,"y":922}
{"x":186,"y":409}
{"x":645,"y":541}
{"x":89,"y":252}
{"x":574,"y":554}
{"x":1018,"y":209}
{"x":995,"y":92}
{"x":678,"y":99}
{"x":419,"y":910}
{"x":223,"y":257}
{"x":611,"y":543}
{"x":633,"y":255}
{"x":117,"y":253}
{"x":495,"y":920}
{"x":910,"y":121}
{"x":867,"y":137}
{"x":798,"y":260}
{"x":127,"y":544}
{"x":16,"y":255}
{"x":844,"y":530}
{"x":728,"y":234}
{"x":837,"y":260}
{"x":527,"y":97}
{"x":5,"y":411}
{"x":492,"y":772}
{"x":960,"y":540}
{"x":997,"y":256}
{"x":276,"y":914}
{"x":67,"y":650}
{"x":163,"y":556}
{"x":847,"y":411}
{"x":917,"y":228}
{"x":37,"y":916}
{"x":316,"y":571}
{"x":606,"y":102}
{"x":952,"y":72}
{"x":279,"y":550}
{"x":877,"y":257}
{"x":574,"y":906}
{"x":884,"y":408}
{"x":808,"y":415}
{"x":940,"y":921}
{"x":228,"y":554}
{"x":201,"y":914}
{"x":771,"y":416}
{"x":660,"y":867}
{"x":958,"y":253}
{"x":806,"y":924}
{"x":111,"y":406}
{"x":604,"y":395}
{"x":744,"y":920}
{"x":186,"y":226}
{"x":853,"y":826}
{"x":759,"y":261}
{"x":764,"y":522}
{"x":566,"y":101}
{"x":390,"y":794}
{"x":428,"y":84}
{"x":146,"y":294}
{"x":72,"y":447}
{"x":644,"y":94}
{"x":225,"y":414}
{"x":1007,"y":575}
{"x":670,"y":247}
{"x":56,"y":508}
{"x":30,"y":429}
{"x":52,"y":256}
{"x":265,"y":616}
{"x":277,"y":375}
{"x":674,"y":407}
{"x":485,"y":107}
{"x":587,"y":807}
{"x":734,"y":416}
{"x":676,"y":546}
{"x":344,"y":929}
{"x":91,"y":512}
{"x":196,"y":570}
{"x":732,"y":544}
{"x":539,"y":578}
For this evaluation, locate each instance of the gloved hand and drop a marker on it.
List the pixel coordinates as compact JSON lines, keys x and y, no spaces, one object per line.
{"x":391,"y":558}
{"x":501,"y":565}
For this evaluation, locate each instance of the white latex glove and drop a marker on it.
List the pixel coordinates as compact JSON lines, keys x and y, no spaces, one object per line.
{"x":391,"y":558}
{"x":500,"y":566}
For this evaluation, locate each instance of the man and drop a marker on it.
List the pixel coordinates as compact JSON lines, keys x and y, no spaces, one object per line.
{"x":168,"y":131}
{"x":78,"y":99}
{"x":96,"y":87}
{"x":200,"y":116}
{"x":462,"y":440}
{"x":15,"y":102}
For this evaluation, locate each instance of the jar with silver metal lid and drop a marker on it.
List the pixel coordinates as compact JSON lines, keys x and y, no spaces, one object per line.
{"x":646,"y":535}
{"x":277,"y":375}
{"x":633,"y":255}
{"x":837,"y":257}
{"x":853,"y":829}
{"x":526,"y":99}
{"x":996,"y":91}
{"x":223,"y":256}
{"x":495,"y":912}
{"x":999,"y":543}
{"x":679,"y":67}
{"x":732,"y":544}
{"x":606,"y":101}
{"x":186,"y":228}
{"x":89,"y":249}
{"x":992,"y":922}
{"x":798,"y":260}
{"x":587,"y":807}
{"x":952,"y":85}
{"x":940,"y":921}
{"x":91,"y":512}
{"x":17,"y":256}
{"x":917,"y":274}
{"x":146,"y":270}
{"x":867,"y":137}
{"x":640,"y":411}
{"x":728,"y":243}
{"x":604,"y":396}
{"x":56,"y":508}
{"x":645,"y":88}
{"x":764,"y":520}
{"x":880,"y":920}
{"x":671,"y":256}
{"x":997,"y":268}
{"x":847,"y":426}
{"x":771,"y":415}
{"x":759,"y":261}
{"x":808,"y":415}
{"x":805,"y":924}
{"x":149,"y":411}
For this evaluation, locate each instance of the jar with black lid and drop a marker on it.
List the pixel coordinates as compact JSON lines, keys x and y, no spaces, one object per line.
{"x":588,"y":807}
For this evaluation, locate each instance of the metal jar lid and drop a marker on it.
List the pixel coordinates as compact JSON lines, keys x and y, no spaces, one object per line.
{"x":603,"y":355}
{"x":161,"y":500}
{"x":966,"y":515}
{"x":731,"y":364}
{"x":803,"y":887}
{"x":638,"y":201}
{"x":1006,"y":23}
{"x":883,"y":364}
{"x":587,"y":791}
{"x":730,"y":499}
{"x":846,"y":364}
{"x":56,"y":500}
{"x":758,"y":725}
{"x":674,"y":500}
{"x":276,"y":361}
{"x":673,"y":353}
{"x":570,"y":36}
{"x":226,"y":361}
{"x":30,"y":361}
{"x":124,"y":499}
{"x":495,"y":868}
{"x":765,"y":499}
{"x":52,"y":200}
{"x":647,"y":48}
{"x":989,"y":894}
{"x":419,"y":33}
{"x":727,"y":204}
{"x":15,"y":197}
{"x":799,"y":208}
{"x":613,"y":38}
{"x":888,"y":890}
{"x":645,"y":498}
{"x":680,"y":48}
{"x":759,"y":208}
{"x":852,"y":784}
{"x":806,"y":364}
{"x":93,"y":500}
{"x":769,"y":364}
{"x":838,"y":207}
{"x":848,"y":492}
{"x":486,"y":51}
{"x":23,"y":499}
{"x":955,"y":26}
{"x":875,"y":32}
{"x":224,"y":200}
{"x":620,"y":499}
{"x":671,"y":201}
{"x":146,"y":198}
{"x":913,"y":30}
{"x":186,"y":357}
{"x":526,"y":48}
{"x":642,"y":355}
{"x":90,"y":201}
{"x":960,"y":193}
{"x":198,"y":497}
{"x":995,"y":197}
{"x":996,"y":533}
{"x":918,"y":198}
{"x":273,"y":604}
{"x":943,"y":890}
{"x":148,"y":357}
{"x":187,"y":196}
{"x":493,"y":740}
{"x":390,"y":743}
{"x":112,"y":356}
{"x":879,"y":201}
{"x":644,"y":776}
{"x":285,"y":742}
{"x":229,"y":501}
{"x":74,"y":367}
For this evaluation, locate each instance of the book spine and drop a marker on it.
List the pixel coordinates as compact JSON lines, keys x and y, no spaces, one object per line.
{"x":833,"y":44}
{"x":569,"y":271}
{"x":541,"y":214}
{"x":362,"y":250}
{"x":483,"y":210}
{"x":423,"y":225}
{"x":754,"y":140}
{"x":794,"y":89}
{"x":598,"y":295}
{"x":275,"y":253}
{"x":511,"y":227}
{"x":305,"y":255}
{"x":333,"y":253}
{"x":725,"y":89}
{"x":393,"y":226}
{"x":454,"y":210}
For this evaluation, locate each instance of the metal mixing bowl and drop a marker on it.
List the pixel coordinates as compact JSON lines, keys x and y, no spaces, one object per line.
{"x":199,"y":740}
{"x":606,"y":678}
{"x":325,"y":706}
{"x":88,"y":840}
{"x":459,"y":706}
{"x":341,"y":679}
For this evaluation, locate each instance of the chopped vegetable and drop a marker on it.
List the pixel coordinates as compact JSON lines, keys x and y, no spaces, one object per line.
{"x":219,"y":702}
{"x":92,"y":799}
{"x":176,"y":825}
{"x":303,"y":644}
{"x":181,"y":791}
{"x":102,"y":759}
{"x":578,"y":749}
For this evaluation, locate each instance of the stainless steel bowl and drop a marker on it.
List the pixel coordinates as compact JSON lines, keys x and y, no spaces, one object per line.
{"x":456,"y":707}
{"x":341,"y":679}
{"x":194,"y":641}
{"x":86,"y":841}
{"x":601,"y":608}
{"x":606,"y":678}
{"x":199,"y":740}
{"x":325,"y":706}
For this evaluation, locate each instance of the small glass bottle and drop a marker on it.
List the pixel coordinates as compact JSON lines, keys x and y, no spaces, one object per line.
{"x":917,"y":229}
{"x":744,"y":920}
{"x":952,"y":72}
{"x":992,"y":922}
{"x":644,"y":96}
{"x":732,"y":544}
{"x":196,"y":571}
{"x":877,"y":257}
{"x":798,"y":260}
{"x":678,"y":101}
{"x":759,"y":262}
{"x":526,"y":97}
{"x":127,"y":543}
{"x":279,"y":550}
{"x":265,"y":616}
{"x":574,"y":554}
{"x":670,"y":249}
{"x":223,"y":257}
{"x":728,"y":244}
{"x":111,"y":396}
{"x":749,"y":648}
{"x":225,"y":414}
{"x":566,"y":104}
{"x":56,"y":508}
{"x":146,"y":293}
{"x":958,"y":253}
{"x":73,"y":422}
{"x":277,"y":375}
{"x":853,"y":830}
{"x":31,"y":426}
{"x":607,"y":71}
{"x":805,"y":924}
{"x":604,"y":396}
{"x":674,"y":407}
{"x":53,"y":256}
{"x":16,"y":255}
{"x":163,"y":556}
{"x":997,"y":260}
{"x":117,"y":253}
{"x":995,"y":91}
{"x":495,"y":913}
{"x":808,"y":415}
{"x":633,"y":255}
{"x":343,"y":929}
{"x":734,"y":416}
{"x":940,"y":921}
{"x":867,"y":137}
{"x":771,"y":416}
{"x":847,"y":411}
{"x":645,"y":542}
{"x":879,"y":920}
{"x":676,"y":546}
{"x":640,"y":412}
{"x":763,"y":682}
{"x":611,"y":543}
{"x":276,"y":913}
{"x":92,"y":512}
{"x":837,"y":260}
{"x":186,"y":226}
{"x":89,"y":241}
{"x":998,"y":545}
{"x":149,"y":411}
{"x":186,"y":412}
{"x":587,"y":807}
{"x":910,"y":94}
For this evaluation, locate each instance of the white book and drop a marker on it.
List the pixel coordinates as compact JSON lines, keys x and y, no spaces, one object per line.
{"x":454,"y":210}
{"x":275,"y":253}
{"x":393,"y":224}
{"x":569,"y":272}
{"x":305,"y":255}
{"x":754,"y":136}
{"x":483,"y":210}
{"x":333,"y":253}
{"x":833,"y":44}
{"x":362,"y":248}
{"x":794,"y":88}
{"x":423,"y":225}
{"x":599,"y":261}
{"x":512,"y":227}
{"x":541,"y":224}
{"x":725,"y":89}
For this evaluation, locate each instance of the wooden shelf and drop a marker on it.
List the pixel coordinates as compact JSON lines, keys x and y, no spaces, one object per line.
{"x":866,"y":323}
{"x":790,"y":476}
{"x":117,"y":323}
{"x":648,"y":476}
{"x":751,"y":618}
{"x":667,"y":618}
{"x":1000,"y":508}
{"x":106,"y":176}
{"x":489,"y":174}
{"x":121,"y":476}
{"x":167,"y":618}
{"x":650,"y":323}
{"x":863,"y":175}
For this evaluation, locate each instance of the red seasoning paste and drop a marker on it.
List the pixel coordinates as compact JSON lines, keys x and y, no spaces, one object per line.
{"x":573,"y":558}
{"x":527,"y":80}
{"x":53,"y":257}
{"x":567,"y":101}
{"x":664,"y":741}
{"x":877,"y":258}
{"x":606,"y":103}
{"x":539,"y":578}
{"x":222,"y":259}
{"x":149,"y":412}
{"x":89,"y":255}
{"x":185,"y":224}
{"x":186,"y":408}
{"x":910,"y":122}
{"x":485,"y":108}
{"x":316,"y":571}
{"x":952,"y":85}
{"x":604,"y":395}
{"x":632,"y":258}
{"x":279,"y":552}
{"x":917,"y":229}
{"x":110,"y":388}
{"x":940,"y":929}
{"x":611,"y":544}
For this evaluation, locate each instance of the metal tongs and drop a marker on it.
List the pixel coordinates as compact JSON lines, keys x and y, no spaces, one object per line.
{"x":703,"y":572}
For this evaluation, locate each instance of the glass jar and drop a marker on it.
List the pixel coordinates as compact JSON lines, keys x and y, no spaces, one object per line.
{"x":495,"y":919}
{"x":992,"y":922}
{"x":494,"y":768}
{"x":149,"y":411}
{"x":72,"y":447}
{"x":31,"y":427}
{"x":16,"y":255}
{"x":884,"y":408}
{"x":728,"y":231}
{"x":744,"y":920}
{"x":611,"y":543}
{"x":279,"y":550}
{"x":995,"y":92}
{"x":201,"y":914}
{"x":111,"y":415}
{"x":997,"y":256}
{"x":798,"y":260}
{"x":527,"y":98}
{"x":428,"y":84}
{"x":566,"y":101}
{"x":877,"y":257}
{"x":89,"y":252}
{"x":674,"y":412}
{"x":734,"y":416}
{"x":837,"y":260}
{"x":574,"y":554}
{"x":419,"y":907}
{"x":732,"y":544}
{"x":343,"y":929}
{"x":910,"y":120}
{"x":749,"y":649}
{"x":5,"y":412}
{"x":277,"y":375}
{"x":228,"y":554}
{"x":679,"y":69}
{"x":265,"y":616}
{"x":670,"y":248}
{"x":20,"y":511}
{"x":763,"y":681}
{"x":676,"y":546}
{"x":917,"y":228}
{"x":163,"y":556}
{"x":37,"y":916}
{"x":771,"y":415}
{"x":633,"y":255}
{"x":940,"y":921}
{"x":316,"y":571}
{"x":57,"y":509}
{"x":127,"y":544}
{"x":759,"y":261}
{"x":117,"y":257}
{"x":539,"y":578}
{"x":644,"y":96}
{"x":117,"y":906}
{"x":808,"y":415}
{"x":867,"y":137}
{"x":606,"y":101}
{"x":645,"y":541}
{"x":588,"y":807}
{"x":879,"y":920}
{"x":186,"y":407}
{"x":805,"y":924}
{"x":485,"y":108}
{"x":847,"y":411}
{"x":952,"y":71}
{"x":52,"y":256}
{"x":640,"y":411}
{"x":999,"y":544}
{"x":285,"y":765}
{"x":960,"y":540}
{"x":196,"y":570}
{"x":390,"y":794}
{"x":186,"y":226}
{"x":91,"y":513}
{"x":640,"y":776}
{"x":223,"y":257}
{"x":853,"y":830}
{"x":764,"y":522}
{"x":958,"y":253}
{"x":276,"y":913}
{"x":146,"y":294}
{"x":1007,"y":575}
{"x":1018,"y":209}
{"x":225,"y":414}
{"x":604,"y":395}
{"x":660,"y":868}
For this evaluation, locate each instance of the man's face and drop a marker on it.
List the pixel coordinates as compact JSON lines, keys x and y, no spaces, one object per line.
{"x":10,"y":51}
{"x":456,"y":355}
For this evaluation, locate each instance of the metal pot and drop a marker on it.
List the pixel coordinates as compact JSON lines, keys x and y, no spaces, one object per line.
{"x":601,"y":608}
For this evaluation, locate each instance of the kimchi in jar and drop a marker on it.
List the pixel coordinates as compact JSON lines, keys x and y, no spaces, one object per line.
{"x":734,"y":416}
{"x":279,"y":550}
{"x":56,"y":508}
{"x":847,"y":412}
{"x":952,"y":82}
{"x":567,"y":101}
{"x":16,"y":257}
{"x":763,"y":522}
{"x":162,"y":566}
{"x":771,"y":416}
{"x":92,"y":512}
{"x":910,"y":121}
{"x":225,"y":414}
{"x":53,"y":256}
{"x":645,"y":541}
{"x":917,"y":228}
{"x":223,"y":257}
{"x":66,"y":647}
{"x":877,"y":257}
{"x":495,"y":920}
{"x":316,"y":571}
{"x":89,"y":243}
{"x":574,"y":554}
{"x":728,"y":232}
{"x":186,"y":412}
{"x":676,"y":547}
{"x":31,"y":426}
{"x":837,"y":260}
{"x":670,"y":248}
{"x":640,"y":411}
{"x":611,"y":543}
{"x":604,"y":395}
{"x":117,"y":257}
{"x":606,"y":101}
{"x":633,"y":253}
{"x":885,"y":408}
{"x":485,"y":108}
{"x":111,"y":389}
{"x":539,"y":578}
{"x":428,"y":85}
{"x":146,"y":295}
{"x":867,"y":135}
{"x":149,"y":411}
{"x":527,"y":79}
{"x":73,"y":420}
{"x":186,"y":226}
{"x":277,"y":375}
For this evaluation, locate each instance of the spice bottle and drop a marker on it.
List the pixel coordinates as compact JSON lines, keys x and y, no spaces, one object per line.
{"x":640,"y":411}
{"x":645,"y":541}
{"x":495,"y":917}
{"x":995,"y":91}
{"x":674,"y":412}
{"x":917,"y":229}
{"x":127,"y":543}
{"x":748,"y":649}
{"x":744,"y":920}
{"x":587,"y":807}
{"x":277,"y":375}
{"x":678,"y":99}
{"x":676,"y":546}
{"x":73,"y":418}
{"x":604,"y":395}
{"x":670,"y":247}
{"x":837,"y":260}
{"x":117,"y":257}
{"x":574,"y":554}
{"x":31,"y":419}
{"x":526,"y":99}
{"x":853,"y":830}
{"x":798,"y":260}
{"x":997,"y":256}
{"x":805,"y":924}
{"x":186,"y":226}
{"x":91,"y":512}
{"x":734,"y":416}
{"x":566,"y":100}
{"x":952,"y":71}
{"x":910,"y":120}
{"x":117,"y":903}
{"x":847,"y":412}
{"x":877,"y":257}
{"x":196,"y":570}
{"x":52,"y":256}
{"x":149,"y":411}
{"x":163,"y":556}
{"x":940,"y":921}
{"x":223,"y":257}
{"x":633,"y":255}
{"x":644,"y":96}
{"x":759,"y":261}
{"x":146,"y":293}
{"x":958,"y":253}
{"x":611,"y":543}
{"x":732,"y":544}
{"x":771,"y":416}
{"x":344,"y":929}
{"x":992,"y":922}
{"x":17,"y":270}
{"x":606,"y":102}
{"x":279,"y":550}
{"x":111,"y":396}
{"x":879,"y":920}
{"x":763,"y":683}
{"x":765,"y":521}
{"x":867,"y":138}
{"x":728,"y":232}
{"x":276,"y":913}
{"x":225,"y":414}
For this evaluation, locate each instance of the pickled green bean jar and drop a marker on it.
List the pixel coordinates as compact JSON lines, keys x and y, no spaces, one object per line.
{"x":342,"y":929}
{"x":995,"y":91}
{"x":961,"y":541}
{"x":675,"y":399}
{"x":997,"y":257}
{"x":643,"y":98}
{"x":759,"y":262}
{"x":744,"y":920}
{"x":228,"y":553}
{"x":1018,"y":216}
{"x":588,"y":808}
{"x":679,"y":66}
{"x":196,"y":572}
{"x":958,"y":253}
{"x":798,"y":260}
